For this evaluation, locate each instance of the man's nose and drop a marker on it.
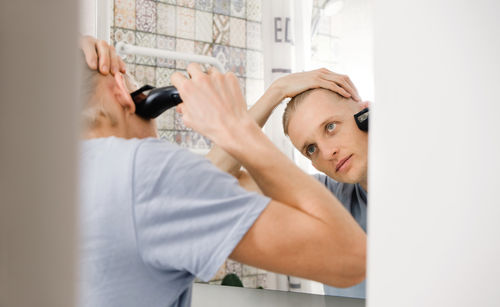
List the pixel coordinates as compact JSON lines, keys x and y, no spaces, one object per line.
{"x":328,"y":150}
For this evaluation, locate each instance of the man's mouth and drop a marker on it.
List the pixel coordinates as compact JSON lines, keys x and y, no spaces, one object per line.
{"x":342,"y":163}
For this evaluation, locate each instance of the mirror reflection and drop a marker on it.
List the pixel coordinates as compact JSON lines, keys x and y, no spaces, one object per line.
{"x":309,"y":90}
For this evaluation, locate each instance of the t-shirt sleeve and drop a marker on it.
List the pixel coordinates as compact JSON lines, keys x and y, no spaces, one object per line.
{"x":329,"y":183}
{"x":189,"y":215}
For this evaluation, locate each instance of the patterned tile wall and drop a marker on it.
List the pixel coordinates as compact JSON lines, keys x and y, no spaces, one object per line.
{"x":229,"y":30}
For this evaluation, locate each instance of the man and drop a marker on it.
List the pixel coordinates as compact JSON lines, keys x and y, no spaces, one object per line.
{"x":154,"y":215}
{"x":321,"y":126}
{"x":320,"y":123}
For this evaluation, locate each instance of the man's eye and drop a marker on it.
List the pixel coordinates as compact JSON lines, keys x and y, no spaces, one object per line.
{"x":310,"y":150}
{"x":330,"y":127}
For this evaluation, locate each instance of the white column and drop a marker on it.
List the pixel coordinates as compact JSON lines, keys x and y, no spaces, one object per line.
{"x":38,"y":153}
{"x":434,"y":238}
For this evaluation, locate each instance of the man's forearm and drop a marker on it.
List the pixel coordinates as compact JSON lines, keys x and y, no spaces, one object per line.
{"x":269,"y":168}
{"x":260,"y":112}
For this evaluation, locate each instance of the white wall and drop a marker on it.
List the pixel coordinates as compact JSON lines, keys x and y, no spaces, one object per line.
{"x":38,"y":135}
{"x":434,"y":238}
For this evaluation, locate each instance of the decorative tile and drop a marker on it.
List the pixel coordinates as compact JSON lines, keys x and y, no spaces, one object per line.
{"x":254,"y":10}
{"x":185,"y":23}
{"x":262,"y":281}
{"x":145,"y":74}
{"x":192,"y":139}
{"x":166,"y":19}
{"x":163,"y":76}
{"x":205,"y":5}
{"x":166,"y":120}
{"x":124,"y":14}
{"x":221,"y":29}
{"x":185,"y":46}
{"x":237,"y":61}
{"x":204,"y":28}
{"x":249,"y":270}
{"x":167,"y":135}
{"x":254,"y":88}
{"x":186,"y":3}
{"x":202,"y":48}
{"x":179,"y":123}
{"x":128,"y":37}
{"x":254,"y":35}
{"x":165,"y":43}
{"x":222,"y":7}
{"x":234,"y":267}
{"x":237,"y":32}
{"x":242,"y":86}
{"x":249,"y":282}
{"x":221,"y":53}
{"x":145,"y":15}
{"x":238,"y":8}
{"x":255,"y":65}
{"x":130,"y":68}
{"x":145,"y":40}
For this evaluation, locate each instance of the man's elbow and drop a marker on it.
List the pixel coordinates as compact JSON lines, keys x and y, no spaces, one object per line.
{"x":355,"y":271}
{"x":351,"y":269}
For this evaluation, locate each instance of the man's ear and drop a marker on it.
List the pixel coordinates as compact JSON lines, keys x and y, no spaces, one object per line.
{"x":122,"y":94}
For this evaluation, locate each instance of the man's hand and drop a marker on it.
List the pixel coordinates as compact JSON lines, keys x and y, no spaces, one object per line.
{"x":294,"y":84}
{"x":212,"y":102}
{"x":101,"y":56}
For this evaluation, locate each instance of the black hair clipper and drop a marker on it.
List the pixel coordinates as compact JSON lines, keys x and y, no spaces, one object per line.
{"x":361,"y":119}
{"x":150,"y":102}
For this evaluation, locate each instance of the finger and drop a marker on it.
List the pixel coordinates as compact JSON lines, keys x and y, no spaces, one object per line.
{"x":179,"y":107}
{"x":103,"y":55}
{"x":355,"y":93}
{"x":234,"y":85}
{"x":342,"y":83}
{"x":351,"y":84}
{"x":115,"y":65}
{"x":212,"y":70}
{"x":87,"y":44}
{"x":178,"y":80}
{"x":336,"y":88}
{"x":123,"y":66}
{"x":194,"y":70}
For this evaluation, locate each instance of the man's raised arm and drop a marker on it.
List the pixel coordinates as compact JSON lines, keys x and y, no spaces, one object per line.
{"x":304,"y":231}
{"x":285,"y":87}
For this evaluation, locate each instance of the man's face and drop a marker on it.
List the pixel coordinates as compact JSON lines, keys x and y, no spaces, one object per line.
{"x":323,"y":129}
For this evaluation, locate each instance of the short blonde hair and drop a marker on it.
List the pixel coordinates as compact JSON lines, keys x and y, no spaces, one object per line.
{"x":292,"y":105}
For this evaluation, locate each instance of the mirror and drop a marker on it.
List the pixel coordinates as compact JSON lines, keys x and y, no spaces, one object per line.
{"x":338,"y":37}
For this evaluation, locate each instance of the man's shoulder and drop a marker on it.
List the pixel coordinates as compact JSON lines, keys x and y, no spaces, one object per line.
{"x":124,"y":145}
{"x":337,"y":188}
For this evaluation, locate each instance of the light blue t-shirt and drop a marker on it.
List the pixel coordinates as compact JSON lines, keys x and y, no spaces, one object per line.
{"x":153,"y":217}
{"x":354,"y":198}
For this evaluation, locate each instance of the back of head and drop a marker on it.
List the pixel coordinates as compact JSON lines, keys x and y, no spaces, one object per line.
{"x":299,"y":99}
{"x":91,"y":106}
